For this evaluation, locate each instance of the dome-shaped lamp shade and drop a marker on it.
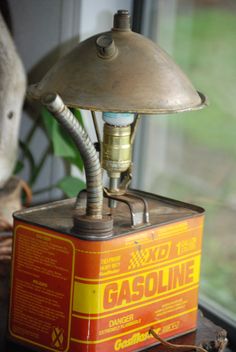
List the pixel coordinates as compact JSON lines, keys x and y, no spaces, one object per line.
{"x":120,"y":71}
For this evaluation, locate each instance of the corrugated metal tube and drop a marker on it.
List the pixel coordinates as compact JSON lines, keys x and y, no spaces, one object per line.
{"x":64,"y":116}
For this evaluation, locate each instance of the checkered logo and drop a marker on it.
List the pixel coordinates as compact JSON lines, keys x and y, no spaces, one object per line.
{"x":138,"y":259}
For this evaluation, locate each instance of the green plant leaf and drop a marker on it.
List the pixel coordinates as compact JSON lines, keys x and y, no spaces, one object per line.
{"x":77,"y":114}
{"x":71,"y":185}
{"x":38,"y":168}
{"x":18,"y":167}
{"x":47,"y":121}
{"x":60,"y":140}
{"x":63,"y":146}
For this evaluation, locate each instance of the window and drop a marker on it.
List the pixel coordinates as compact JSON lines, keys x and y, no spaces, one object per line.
{"x":192,"y":156}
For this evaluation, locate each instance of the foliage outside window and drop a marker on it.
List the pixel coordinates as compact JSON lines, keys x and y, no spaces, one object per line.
{"x":200,"y":148}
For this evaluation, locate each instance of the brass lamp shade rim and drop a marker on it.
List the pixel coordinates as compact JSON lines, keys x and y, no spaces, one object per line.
{"x":32,"y":93}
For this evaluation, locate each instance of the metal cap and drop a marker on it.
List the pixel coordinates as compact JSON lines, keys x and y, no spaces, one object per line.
{"x":120,"y":71}
{"x":106,"y":48}
{"x":122,"y":21}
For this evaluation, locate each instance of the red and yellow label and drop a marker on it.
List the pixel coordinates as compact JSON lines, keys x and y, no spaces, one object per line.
{"x":93,"y":298}
{"x":68,"y":293}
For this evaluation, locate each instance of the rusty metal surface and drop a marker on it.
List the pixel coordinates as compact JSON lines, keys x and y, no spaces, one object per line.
{"x":93,"y":229}
{"x":138,"y":208}
{"x":133,"y":75}
{"x":59,"y":215}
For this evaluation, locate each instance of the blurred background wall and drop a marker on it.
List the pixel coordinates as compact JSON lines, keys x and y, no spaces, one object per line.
{"x":44,"y":31}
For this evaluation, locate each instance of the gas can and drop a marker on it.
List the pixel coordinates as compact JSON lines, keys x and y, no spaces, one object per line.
{"x":74,"y":294}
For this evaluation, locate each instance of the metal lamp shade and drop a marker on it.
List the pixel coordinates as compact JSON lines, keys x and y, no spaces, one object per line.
{"x":135,"y":76}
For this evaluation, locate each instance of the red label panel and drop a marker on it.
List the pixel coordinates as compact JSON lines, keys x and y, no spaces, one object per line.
{"x":41,"y":288}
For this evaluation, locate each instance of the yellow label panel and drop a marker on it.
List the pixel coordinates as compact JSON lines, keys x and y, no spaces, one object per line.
{"x":99,"y":298}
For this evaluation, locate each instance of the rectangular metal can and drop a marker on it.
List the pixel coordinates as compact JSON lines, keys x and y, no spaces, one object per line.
{"x":71,"y":294}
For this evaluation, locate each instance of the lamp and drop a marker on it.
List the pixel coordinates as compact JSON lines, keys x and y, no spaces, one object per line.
{"x":122,"y":74}
{"x":131,"y":268}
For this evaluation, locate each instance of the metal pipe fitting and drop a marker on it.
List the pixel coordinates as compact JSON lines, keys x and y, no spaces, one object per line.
{"x":64,"y":116}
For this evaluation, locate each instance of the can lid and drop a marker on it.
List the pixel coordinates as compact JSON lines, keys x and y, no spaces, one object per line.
{"x":93,"y":228}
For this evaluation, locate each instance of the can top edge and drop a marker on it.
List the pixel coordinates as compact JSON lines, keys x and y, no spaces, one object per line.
{"x":58,"y":215}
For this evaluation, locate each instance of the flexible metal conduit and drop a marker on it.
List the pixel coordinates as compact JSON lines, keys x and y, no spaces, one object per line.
{"x":64,"y":116}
